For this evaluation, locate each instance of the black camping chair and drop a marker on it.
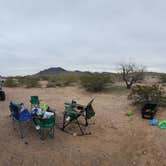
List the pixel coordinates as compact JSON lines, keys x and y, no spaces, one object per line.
{"x":87,"y":111}
{"x":149,"y":110}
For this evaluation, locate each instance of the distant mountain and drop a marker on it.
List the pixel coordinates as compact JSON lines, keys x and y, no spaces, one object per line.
{"x":59,"y":70}
{"x":52,"y":71}
{"x":153,"y":73}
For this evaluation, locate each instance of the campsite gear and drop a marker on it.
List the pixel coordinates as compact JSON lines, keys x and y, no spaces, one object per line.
{"x":130,"y":113}
{"x":47,"y":115}
{"x":86,"y":111}
{"x":44,"y":107}
{"x":37,"y":111}
{"x":73,"y":111}
{"x":19,"y":117}
{"x":37,"y":127}
{"x":162,"y":124}
{"x":35,"y":102}
{"x":2,"y":93}
{"x":45,"y":125}
{"x":149,"y":110}
{"x":42,"y":112}
{"x":154,"y":122}
{"x":1,"y":83}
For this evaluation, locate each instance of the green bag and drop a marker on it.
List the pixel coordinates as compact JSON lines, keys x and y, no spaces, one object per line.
{"x":130,"y":113}
{"x":162,"y":124}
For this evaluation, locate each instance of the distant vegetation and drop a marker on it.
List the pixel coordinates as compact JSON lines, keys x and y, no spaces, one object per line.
{"x":163,"y":78}
{"x":28,"y":82}
{"x":95,"y":82}
{"x":91,"y":82}
{"x":10,"y":82}
{"x":61,"y":80}
{"x":107,"y":82}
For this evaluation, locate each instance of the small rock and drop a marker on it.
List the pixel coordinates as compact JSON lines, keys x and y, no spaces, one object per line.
{"x":74,"y":134}
{"x":134,"y":163}
{"x":144,"y":152}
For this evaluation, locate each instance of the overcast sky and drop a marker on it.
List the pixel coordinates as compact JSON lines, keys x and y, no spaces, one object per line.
{"x":92,"y":35}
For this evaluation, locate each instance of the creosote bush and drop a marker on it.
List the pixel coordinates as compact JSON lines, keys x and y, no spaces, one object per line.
{"x":147,"y":94}
{"x":66,"y":79}
{"x":10,"y":82}
{"x":95,"y":82}
{"x":163,"y":78}
{"x":62,"y":80}
{"x":28,"y":81}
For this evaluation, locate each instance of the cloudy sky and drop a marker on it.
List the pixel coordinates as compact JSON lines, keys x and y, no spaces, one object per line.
{"x":92,"y":35}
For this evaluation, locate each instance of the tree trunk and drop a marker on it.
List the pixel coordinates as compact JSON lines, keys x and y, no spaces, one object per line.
{"x":128,"y":86}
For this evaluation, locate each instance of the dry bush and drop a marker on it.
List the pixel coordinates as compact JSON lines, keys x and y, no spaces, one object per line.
{"x":95,"y":82}
{"x":147,"y":94}
{"x":10,"y":82}
{"x":163,"y":78}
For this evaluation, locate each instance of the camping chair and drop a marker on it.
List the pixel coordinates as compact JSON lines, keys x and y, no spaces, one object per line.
{"x":46,"y":126}
{"x":35,"y":102}
{"x":149,"y":110}
{"x":19,"y":117}
{"x":71,"y":114}
{"x":86,"y":111}
{"x":2,"y":95}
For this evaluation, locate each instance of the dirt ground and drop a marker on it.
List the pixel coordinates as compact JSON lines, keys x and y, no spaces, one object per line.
{"x":116,"y":140}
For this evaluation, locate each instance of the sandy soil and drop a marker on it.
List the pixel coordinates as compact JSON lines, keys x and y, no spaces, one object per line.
{"x":116,"y":140}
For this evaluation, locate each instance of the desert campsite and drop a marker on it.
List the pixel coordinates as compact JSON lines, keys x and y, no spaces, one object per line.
{"x":113,"y":138}
{"x":82,"y":83}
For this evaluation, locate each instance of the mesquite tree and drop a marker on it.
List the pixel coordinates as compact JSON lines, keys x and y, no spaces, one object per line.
{"x":131,"y":74}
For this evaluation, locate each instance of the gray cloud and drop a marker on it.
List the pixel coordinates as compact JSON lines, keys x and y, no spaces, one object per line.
{"x":90,"y":34}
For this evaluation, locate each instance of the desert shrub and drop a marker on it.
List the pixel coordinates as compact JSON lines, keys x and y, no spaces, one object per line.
{"x":95,"y":82}
{"x":147,"y":94}
{"x":62,"y":79}
{"x":51,"y":85}
{"x":10,"y":82}
{"x":163,"y":78}
{"x":28,"y":81}
{"x":67,"y":79}
{"x":46,"y":78}
{"x":32,"y":83}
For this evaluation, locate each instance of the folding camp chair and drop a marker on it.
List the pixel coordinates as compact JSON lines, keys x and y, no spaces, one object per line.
{"x":46,"y":126}
{"x":72,"y":114}
{"x":35,"y":102}
{"x":149,"y":110}
{"x":86,"y":111}
{"x":19,"y":117}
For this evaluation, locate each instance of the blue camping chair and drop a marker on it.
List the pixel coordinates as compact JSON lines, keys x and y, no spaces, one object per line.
{"x":19,"y":117}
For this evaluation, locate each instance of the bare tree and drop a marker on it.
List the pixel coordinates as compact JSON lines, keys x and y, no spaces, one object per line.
{"x":131,"y":74}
